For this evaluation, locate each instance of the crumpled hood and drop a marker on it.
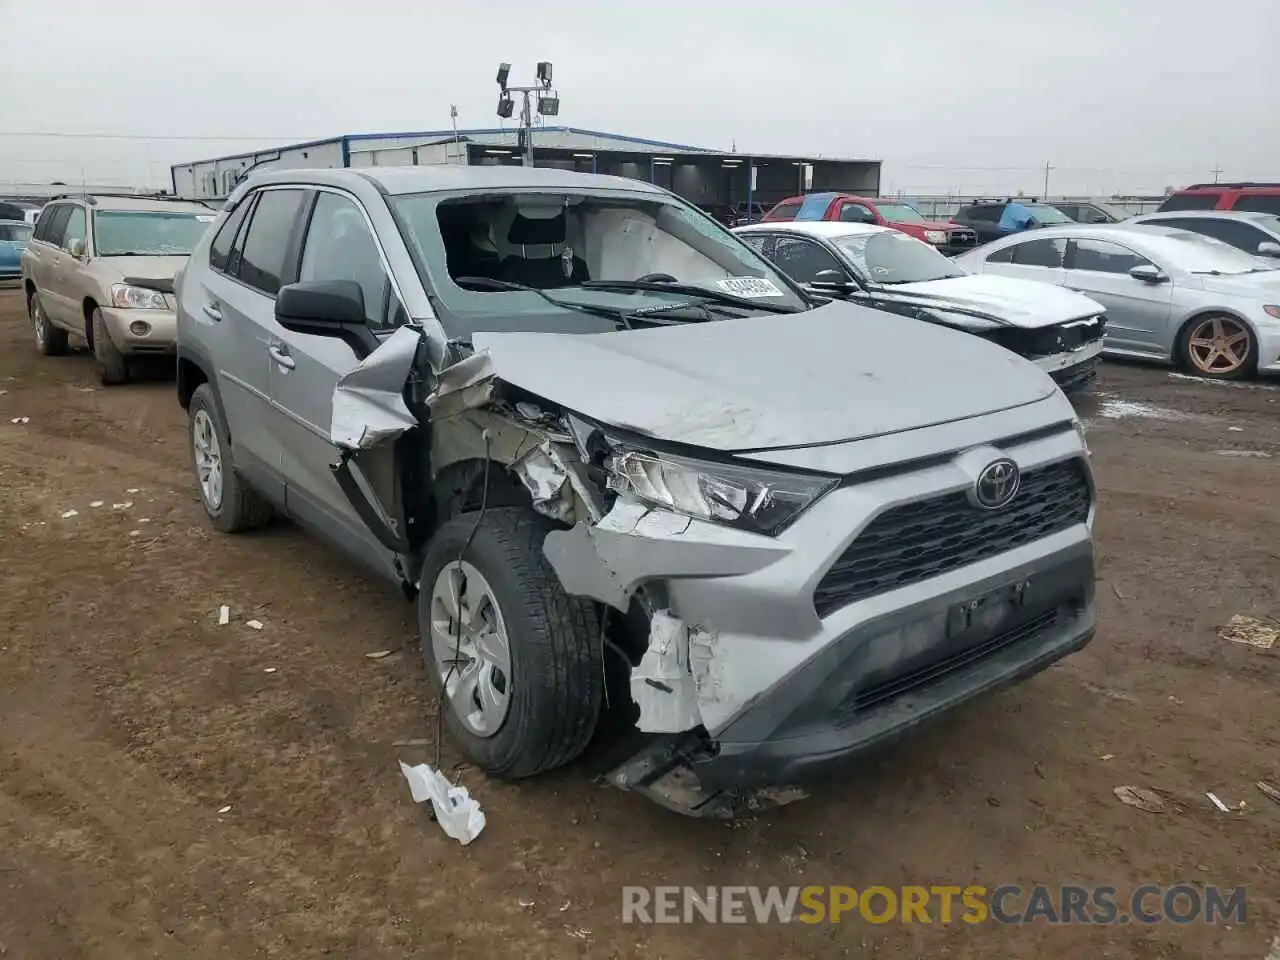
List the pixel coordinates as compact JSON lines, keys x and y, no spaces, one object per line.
{"x":1023,"y":303}
{"x":840,"y":372}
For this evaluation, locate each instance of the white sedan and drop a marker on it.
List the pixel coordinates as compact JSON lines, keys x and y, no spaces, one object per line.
{"x":1058,"y":330}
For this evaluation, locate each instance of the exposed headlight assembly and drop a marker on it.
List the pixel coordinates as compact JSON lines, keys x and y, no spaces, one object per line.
{"x":126,"y":296}
{"x":750,"y":498}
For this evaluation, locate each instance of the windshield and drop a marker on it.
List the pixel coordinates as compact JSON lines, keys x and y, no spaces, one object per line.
{"x":1197,"y":253}
{"x":564,"y":243}
{"x":890,"y":257}
{"x":1045,"y":214}
{"x":120,"y":233}
{"x":900,"y":213}
{"x":15,"y":231}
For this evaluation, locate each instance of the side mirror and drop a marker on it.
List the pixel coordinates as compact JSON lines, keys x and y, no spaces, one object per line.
{"x":1147,"y":273}
{"x":1269,"y":248}
{"x":831,"y":281}
{"x":77,"y":248}
{"x":327,"y":308}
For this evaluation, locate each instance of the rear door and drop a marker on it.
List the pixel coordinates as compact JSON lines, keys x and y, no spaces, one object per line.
{"x":1137,"y":311}
{"x":43,"y":252}
{"x":237,"y":301}
{"x":63,"y":303}
{"x":338,"y":244}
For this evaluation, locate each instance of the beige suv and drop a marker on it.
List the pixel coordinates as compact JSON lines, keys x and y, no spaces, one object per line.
{"x":101,"y":268}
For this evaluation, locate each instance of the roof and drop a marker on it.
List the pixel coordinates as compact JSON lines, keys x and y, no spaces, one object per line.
{"x":444,"y":177}
{"x":822,"y":229}
{"x":1245,"y":215}
{"x":1160,"y":243}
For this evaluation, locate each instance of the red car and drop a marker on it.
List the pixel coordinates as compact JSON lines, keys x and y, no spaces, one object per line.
{"x":1249,"y":197}
{"x":949,"y":238}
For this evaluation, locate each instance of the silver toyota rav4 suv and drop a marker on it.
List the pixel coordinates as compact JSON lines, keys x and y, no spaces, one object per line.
{"x":616,"y":458}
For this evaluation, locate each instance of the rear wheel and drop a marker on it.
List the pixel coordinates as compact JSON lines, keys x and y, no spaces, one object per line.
{"x":231,"y":505}
{"x":50,"y":340}
{"x":1219,"y":346}
{"x":113,"y":368}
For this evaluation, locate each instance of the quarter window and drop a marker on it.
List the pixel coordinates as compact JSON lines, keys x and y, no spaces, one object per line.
{"x":340,"y":246}
{"x":266,"y":245}
{"x":220,"y":249}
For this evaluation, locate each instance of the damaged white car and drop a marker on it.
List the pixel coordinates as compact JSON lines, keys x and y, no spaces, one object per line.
{"x":616,"y":458}
{"x":1059,"y":330}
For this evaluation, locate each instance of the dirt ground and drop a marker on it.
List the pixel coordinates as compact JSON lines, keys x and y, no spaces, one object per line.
{"x":129,"y":720}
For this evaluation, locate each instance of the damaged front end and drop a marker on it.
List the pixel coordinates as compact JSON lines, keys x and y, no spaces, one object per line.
{"x":413,"y":443}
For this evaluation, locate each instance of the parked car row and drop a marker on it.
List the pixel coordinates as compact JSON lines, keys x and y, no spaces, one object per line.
{"x":605,"y":445}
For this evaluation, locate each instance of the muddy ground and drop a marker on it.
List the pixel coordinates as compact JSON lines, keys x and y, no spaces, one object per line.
{"x":129,"y":719}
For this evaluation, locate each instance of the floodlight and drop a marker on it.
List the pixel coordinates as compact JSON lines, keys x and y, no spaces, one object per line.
{"x":544,"y":72}
{"x":506,"y":106}
{"x":549,"y":106}
{"x":504,"y":71}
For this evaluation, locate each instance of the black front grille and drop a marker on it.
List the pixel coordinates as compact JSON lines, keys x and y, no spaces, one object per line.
{"x":916,"y":541}
{"x":962,"y":238}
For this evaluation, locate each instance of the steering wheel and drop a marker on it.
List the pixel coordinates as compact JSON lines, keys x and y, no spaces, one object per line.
{"x":657,"y":278}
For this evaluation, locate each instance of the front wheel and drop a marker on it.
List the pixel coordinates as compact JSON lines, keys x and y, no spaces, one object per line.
{"x":516,"y":661}
{"x":113,"y":368}
{"x":1220,"y":347}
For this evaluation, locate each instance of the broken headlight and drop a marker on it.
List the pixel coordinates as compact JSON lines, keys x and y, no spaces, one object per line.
{"x":750,"y":498}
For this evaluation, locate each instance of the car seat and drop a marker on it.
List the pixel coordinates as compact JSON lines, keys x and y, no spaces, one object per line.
{"x":544,"y":267}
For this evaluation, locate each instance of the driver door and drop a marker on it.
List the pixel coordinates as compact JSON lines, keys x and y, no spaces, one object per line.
{"x":339,"y":244}
{"x":1137,"y":311}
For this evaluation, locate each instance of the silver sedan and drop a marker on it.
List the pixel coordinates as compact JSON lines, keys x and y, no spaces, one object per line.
{"x":1170,"y":294}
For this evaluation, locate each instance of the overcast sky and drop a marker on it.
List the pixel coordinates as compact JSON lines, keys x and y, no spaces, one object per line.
{"x":971,"y":95}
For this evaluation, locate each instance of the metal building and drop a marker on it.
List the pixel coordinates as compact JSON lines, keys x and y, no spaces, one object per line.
{"x":714,"y":179}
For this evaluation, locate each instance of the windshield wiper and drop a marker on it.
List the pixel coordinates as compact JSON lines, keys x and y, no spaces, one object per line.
{"x":716,"y":296}
{"x":623,"y":316}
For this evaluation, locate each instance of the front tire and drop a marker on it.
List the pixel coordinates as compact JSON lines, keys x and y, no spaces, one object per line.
{"x":51,"y":341}
{"x":516,"y":661}
{"x":229,"y":503}
{"x":1219,"y":347}
{"x":112,"y":366}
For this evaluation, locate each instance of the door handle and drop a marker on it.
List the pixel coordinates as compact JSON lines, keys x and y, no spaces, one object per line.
{"x":280,"y":354}
{"x":212,"y":311}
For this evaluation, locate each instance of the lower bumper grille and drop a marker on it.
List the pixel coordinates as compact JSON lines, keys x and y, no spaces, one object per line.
{"x":916,"y":541}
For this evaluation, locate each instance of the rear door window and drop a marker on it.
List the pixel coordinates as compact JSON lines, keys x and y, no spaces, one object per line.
{"x":1040,"y":253}
{"x":52,"y":221}
{"x":1258,"y":203}
{"x":266,"y":248}
{"x":1190,"y":201}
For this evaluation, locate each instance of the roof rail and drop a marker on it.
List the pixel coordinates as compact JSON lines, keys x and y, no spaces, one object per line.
{"x":92,"y":198}
{"x":1244,"y":184}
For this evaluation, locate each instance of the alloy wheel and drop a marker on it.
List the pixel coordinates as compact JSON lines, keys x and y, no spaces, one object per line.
{"x":37,"y":321}
{"x":208,"y":456}
{"x":471,"y":648}
{"x":1219,"y":346}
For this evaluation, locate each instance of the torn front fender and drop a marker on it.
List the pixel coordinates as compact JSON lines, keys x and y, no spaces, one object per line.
{"x":368,"y":402}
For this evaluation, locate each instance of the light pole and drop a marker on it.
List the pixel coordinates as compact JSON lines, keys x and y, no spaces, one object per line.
{"x":548,"y":104}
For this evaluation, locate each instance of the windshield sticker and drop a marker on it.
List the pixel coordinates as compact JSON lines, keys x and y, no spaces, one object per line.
{"x":749,"y":287}
{"x":205,"y":218}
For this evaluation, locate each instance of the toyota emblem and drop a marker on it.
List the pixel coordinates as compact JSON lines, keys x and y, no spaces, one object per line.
{"x":997,"y":484}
